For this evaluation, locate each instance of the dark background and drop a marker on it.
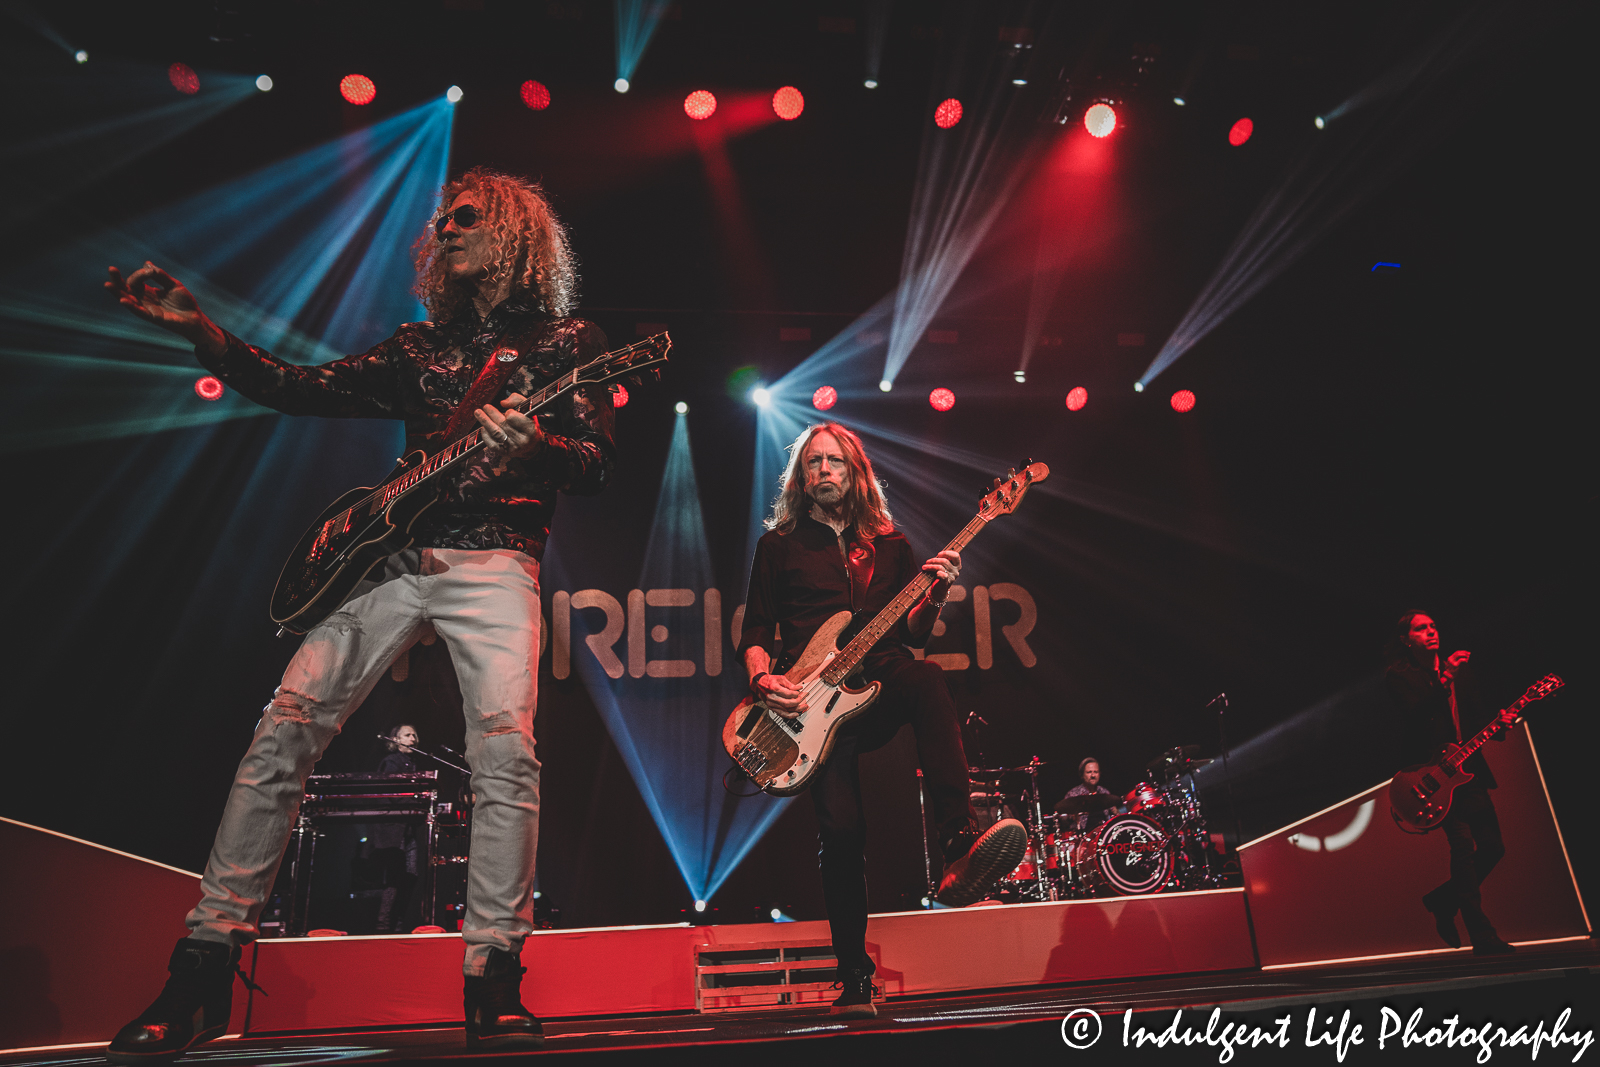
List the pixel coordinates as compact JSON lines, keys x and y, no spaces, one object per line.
{"x":1365,"y":442}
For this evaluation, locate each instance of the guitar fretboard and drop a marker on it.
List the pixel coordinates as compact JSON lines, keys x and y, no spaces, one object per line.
{"x":466,"y":445}
{"x":851,"y":655}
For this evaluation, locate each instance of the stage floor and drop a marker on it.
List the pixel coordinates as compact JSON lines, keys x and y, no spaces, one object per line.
{"x":1532,"y":984}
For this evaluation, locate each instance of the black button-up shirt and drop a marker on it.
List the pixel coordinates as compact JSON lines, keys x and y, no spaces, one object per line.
{"x":1426,"y":724}
{"x":420,"y":374}
{"x":801,"y":579}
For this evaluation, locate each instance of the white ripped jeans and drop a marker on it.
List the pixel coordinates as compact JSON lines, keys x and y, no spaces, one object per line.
{"x":485,"y":606}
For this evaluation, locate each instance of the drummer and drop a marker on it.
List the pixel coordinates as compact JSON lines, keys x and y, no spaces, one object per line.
{"x":1088,"y":785}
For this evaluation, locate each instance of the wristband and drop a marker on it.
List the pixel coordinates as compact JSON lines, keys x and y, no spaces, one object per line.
{"x":758,"y":676}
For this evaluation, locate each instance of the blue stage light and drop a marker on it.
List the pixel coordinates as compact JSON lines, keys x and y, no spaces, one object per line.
{"x":636,"y":22}
{"x":885,"y":385}
{"x":453,"y":94}
{"x":681,"y":408}
{"x":264,"y":83}
{"x":81,"y":56}
{"x":761,"y":396}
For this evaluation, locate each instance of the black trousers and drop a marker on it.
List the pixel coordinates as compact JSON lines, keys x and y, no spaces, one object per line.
{"x":914,"y":692}
{"x":1473,"y":831}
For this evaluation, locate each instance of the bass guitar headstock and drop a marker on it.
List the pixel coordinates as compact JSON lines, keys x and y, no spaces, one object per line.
{"x":1007,"y":492}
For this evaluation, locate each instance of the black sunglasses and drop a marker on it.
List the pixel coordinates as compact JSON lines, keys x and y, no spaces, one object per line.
{"x":465,"y":217}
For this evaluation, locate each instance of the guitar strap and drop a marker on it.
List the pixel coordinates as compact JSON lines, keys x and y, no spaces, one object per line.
{"x":484,"y":390}
{"x":1455,"y":714}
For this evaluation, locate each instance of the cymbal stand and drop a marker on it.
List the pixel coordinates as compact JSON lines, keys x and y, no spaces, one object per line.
{"x":1047,"y":888}
{"x":927,"y":852}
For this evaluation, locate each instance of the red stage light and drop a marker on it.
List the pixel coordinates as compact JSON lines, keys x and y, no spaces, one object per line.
{"x":1100,"y":120}
{"x":1183,"y":400}
{"x":183,"y":78}
{"x":619,"y":397}
{"x":947,"y":114}
{"x":825,"y":398}
{"x":535,"y":95}
{"x":208,"y":388}
{"x":357,"y":88}
{"x":1077,"y":398}
{"x":699,"y":105}
{"x":787,"y":103}
{"x":1241,"y":132}
{"x":942,"y":399}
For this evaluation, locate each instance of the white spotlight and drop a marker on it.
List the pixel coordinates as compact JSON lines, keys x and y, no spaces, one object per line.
{"x":871,"y":83}
{"x":761,"y":396}
{"x":683,"y":409}
{"x":1019,"y":81}
{"x":1138,"y":387}
{"x":699,"y":905}
{"x":1180,"y":101}
{"x":1020,"y":375}
{"x":620,"y":85}
{"x":264,"y":83}
{"x":81,"y":56}
{"x":926,"y":902}
{"x":776,"y":914}
{"x":537,"y":894}
{"x":885,"y":385}
{"x":453,"y":94}
{"x":1321,"y":122}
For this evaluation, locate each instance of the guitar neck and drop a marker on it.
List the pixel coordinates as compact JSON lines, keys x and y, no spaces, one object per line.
{"x":1465,"y":750}
{"x":851,"y":655}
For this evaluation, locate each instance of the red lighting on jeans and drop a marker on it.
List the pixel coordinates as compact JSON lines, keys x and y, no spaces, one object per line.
{"x":1077,"y":398}
{"x":699,"y":105}
{"x":208,"y":388}
{"x":619,"y":397}
{"x":357,"y":88}
{"x":1183,"y":400}
{"x":183,"y":78}
{"x":825,"y":398}
{"x":535,"y":95}
{"x":942,"y":399}
{"x":947,"y":114}
{"x":1100,"y":120}
{"x":1241,"y":131}
{"x":787,"y":103}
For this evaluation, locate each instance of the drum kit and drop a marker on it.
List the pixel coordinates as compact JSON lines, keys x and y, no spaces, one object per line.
{"x":1155,"y":843}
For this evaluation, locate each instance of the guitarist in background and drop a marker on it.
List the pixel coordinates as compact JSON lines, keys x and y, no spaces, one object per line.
{"x":496,"y":272}
{"x":1439,"y":704}
{"x":831,"y":546}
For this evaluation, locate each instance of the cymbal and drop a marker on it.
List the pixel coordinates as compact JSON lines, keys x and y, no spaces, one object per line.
{"x":987,"y":773}
{"x":1089,"y":802}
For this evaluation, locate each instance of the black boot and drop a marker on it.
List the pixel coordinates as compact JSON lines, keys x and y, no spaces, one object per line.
{"x":192,"y":1008}
{"x":495,"y":1015}
{"x":1443,"y":907}
{"x":974,"y":862}
{"x":856,"y":981}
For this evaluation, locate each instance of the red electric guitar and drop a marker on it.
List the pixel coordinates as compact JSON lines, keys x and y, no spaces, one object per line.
{"x":1420,"y":797}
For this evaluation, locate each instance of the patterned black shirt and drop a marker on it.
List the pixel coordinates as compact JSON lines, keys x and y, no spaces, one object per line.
{"x":420,"y":374}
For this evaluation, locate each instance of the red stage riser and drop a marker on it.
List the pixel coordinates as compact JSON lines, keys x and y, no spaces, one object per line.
{"x":317,"y":983}
{"x":1365,"y":898}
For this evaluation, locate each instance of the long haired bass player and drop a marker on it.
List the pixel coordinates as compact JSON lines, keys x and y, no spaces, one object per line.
{"x":496,"y":273}
{"x":831,"y":546}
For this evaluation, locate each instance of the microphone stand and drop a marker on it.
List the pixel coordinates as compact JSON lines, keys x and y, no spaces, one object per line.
{"x":419,"y":750}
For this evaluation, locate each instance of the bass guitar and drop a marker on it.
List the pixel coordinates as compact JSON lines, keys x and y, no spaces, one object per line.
{"x":1420,"y":797}
{"x":782,"y":754}
{"x":364,"y":525}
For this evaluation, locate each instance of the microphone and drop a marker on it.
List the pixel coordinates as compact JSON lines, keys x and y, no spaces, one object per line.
{"x":974,"y":716}
{"x":1220,"y":698}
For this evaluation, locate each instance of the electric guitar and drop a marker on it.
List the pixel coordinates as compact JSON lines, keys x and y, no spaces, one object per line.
{"x":1420,"y":797}
{"x":364,"y":525}
{"x":780,"y":754}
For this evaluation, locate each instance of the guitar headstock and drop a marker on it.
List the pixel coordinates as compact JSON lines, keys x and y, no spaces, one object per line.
{"x":636,"y":360}
{"x":1008,"y":492}
{"x":1542,"y":688}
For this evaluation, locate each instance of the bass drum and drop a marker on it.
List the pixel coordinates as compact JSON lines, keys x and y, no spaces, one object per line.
{"x":1132,"y":854}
